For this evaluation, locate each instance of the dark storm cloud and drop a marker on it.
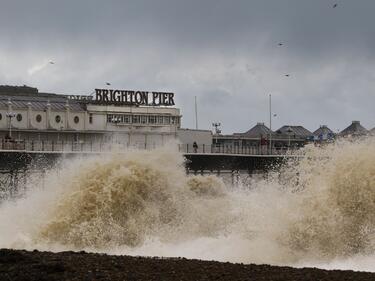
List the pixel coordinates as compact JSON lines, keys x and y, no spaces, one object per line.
{"x":224,"y":52}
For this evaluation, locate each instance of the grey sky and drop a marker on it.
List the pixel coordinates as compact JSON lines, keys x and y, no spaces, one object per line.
{"x":224,"y":52}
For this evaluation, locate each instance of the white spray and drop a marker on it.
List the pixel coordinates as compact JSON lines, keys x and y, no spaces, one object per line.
{"x":319,"y":210}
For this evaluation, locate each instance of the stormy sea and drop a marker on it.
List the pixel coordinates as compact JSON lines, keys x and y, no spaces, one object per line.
{"x":317,"y":210}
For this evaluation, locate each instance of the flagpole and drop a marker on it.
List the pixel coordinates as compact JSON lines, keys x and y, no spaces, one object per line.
{"x":196,"y":113}
{"x":270,"y":138}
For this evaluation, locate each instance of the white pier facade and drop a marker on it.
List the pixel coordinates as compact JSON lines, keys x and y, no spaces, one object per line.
{"x":27,"y":115}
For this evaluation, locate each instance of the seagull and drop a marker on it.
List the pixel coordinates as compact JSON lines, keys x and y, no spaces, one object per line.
{"x":334,"y":6}
{"x":108,"y":84}
{"x":287,"y":75}
{"x":51,"y":62}
{"x":280,"y":44}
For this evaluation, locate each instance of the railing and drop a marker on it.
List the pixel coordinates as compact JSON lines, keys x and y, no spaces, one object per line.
{"x":98,"y":147}
{"x":50,"y":146}
{"x":235,"y":149}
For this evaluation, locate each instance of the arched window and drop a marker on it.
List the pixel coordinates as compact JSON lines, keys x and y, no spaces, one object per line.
{"x":1,"y":116}
{"x":38,"y":118}
{"x":58,"y":118}
{"x":76,"y":119}
{"x":19,"y":117}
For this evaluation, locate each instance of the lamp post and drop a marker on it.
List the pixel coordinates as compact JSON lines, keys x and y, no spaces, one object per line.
{"x":196,"y":112}
{"x":271,"y":116}
{"x":10,"y":115}
{"x":216,"y":125}
{"x":270,"y":138}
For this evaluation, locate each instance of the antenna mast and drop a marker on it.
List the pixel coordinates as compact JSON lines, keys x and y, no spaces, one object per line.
{"x":196,"y":113}
{"x":270,"y":138}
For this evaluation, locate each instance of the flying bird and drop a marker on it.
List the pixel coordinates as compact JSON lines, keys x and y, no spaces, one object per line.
{"x":287,"y":75}
{"x":335,"y":5}
{"x":108,"y":84}
{"x":280,"y":44}
{"x":51,"y":62}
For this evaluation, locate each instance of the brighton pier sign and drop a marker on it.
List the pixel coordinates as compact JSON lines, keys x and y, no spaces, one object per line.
{"x":126,"y":97}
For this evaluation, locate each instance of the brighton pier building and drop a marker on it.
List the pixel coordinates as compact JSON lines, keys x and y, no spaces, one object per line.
{"x":133,"y":118}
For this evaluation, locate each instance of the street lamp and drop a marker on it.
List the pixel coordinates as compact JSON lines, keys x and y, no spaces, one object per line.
{"x":271,"y":115}
{"x":10,"y":115}
{"x":270,"y":112}
{"x":216,"y":125}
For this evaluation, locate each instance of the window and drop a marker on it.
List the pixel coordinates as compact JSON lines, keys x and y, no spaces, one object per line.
{"x":136,"y":119}
{"x":127,"y":119}
{"x":167,"y":119}
{"x":58,"y":118}
{"x":19,"y":117}
{"x":143,"y":119}
{"x":76,"y":119}
{"x":152,"y":119}
{"x":90,"y":118}
{"x":1,"y":116}
{"x":116,"y":119}
{"x":38,"y":118}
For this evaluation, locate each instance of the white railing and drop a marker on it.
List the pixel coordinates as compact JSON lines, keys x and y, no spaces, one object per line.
{"x":36,"y":146}
{"x":235,"y":149}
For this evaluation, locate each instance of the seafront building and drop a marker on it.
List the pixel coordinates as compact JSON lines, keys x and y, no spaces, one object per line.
{"x":261,"y":136}
{"x":139,"y":119}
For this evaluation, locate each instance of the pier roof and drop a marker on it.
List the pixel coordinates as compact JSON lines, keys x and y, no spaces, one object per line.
{"x":299,"y":131}
{"x":257,"y":131}
{"x":322,"y":130}
{"x":22,"y":97}
{"x":323,"y":133}
{"x":355,"y":129}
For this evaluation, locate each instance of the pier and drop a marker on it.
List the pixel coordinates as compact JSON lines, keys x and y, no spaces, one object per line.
{"x":18,"y":160}
{"x":204,"y":157}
